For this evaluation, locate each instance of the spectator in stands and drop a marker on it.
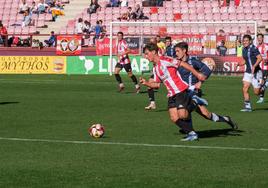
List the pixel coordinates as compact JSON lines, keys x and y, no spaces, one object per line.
{"x":113,"y":3}
{"x":50,"y":3}
{"x":222,"y":48}
{"x":27,"y":19}
{"x":51,"y":41}
{"x":3,"y":34}
{"x":93,"y":7}
{"x":41,"y":7}
{"x":103,"y":32}
{"x":126,"y":15}
{"x":23,"y":7}
{"x":97,"y":32}
{"x":79,"y":26}
{"x":87,"y":27}
{"x":33,"y":8}
{"x":124,"y":3}
{"x":138,"y":13}
{"x":159,"y":3}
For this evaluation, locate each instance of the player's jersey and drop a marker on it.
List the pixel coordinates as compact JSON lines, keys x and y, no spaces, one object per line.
{"x":188,"y":76}
{"x":121,"y":48}
{"x":263,"y":49}
{"x":166,"y":71}
{"x":250,"y":54}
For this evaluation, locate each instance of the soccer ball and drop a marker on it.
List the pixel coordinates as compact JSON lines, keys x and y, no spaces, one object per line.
{"x":96,"y":131}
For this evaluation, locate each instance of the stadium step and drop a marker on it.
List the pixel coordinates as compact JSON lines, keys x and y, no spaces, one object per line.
{"x":71,"y":10}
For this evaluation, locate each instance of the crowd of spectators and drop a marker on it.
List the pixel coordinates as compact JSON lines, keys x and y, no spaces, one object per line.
{"x":89,"y":31}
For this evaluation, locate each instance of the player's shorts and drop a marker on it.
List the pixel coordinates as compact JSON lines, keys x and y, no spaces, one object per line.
{"x":264,"y":74}
{"x":254,"y":79}
{"x":180,"y":101}
{"x":127,"y":66}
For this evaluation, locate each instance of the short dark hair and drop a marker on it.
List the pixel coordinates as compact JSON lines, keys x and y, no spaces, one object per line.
{"x":151,"y":47}
{"x":182,"y":45}
{"x":248,"y":37}
{"x":80,"y":20}
{"x":120,"y":33}
{"x":260,"y":34}
{"x":168,"y":38}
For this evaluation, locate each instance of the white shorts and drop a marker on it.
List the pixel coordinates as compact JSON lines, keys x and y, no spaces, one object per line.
{"x":254,"y":80}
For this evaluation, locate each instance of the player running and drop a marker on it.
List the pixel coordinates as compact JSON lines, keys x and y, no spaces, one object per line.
{"x":253,"y":73}
{"x":194,"y":83}
{"x":150,"y":91}
{"x":179,"y":102}
{"x":124,"y":62}
{"x":263,"y":49}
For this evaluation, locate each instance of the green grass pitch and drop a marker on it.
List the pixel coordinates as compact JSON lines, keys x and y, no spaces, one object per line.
{"x":62,"y":107}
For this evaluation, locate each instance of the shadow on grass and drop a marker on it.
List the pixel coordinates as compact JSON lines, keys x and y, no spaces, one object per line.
{"x":5,"y":103}
{"x":216,"y":133}
{"x":219,"y":133}
{"x":260,"y":109}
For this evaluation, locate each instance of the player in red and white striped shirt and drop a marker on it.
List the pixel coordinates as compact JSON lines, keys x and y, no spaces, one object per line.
{"x":124,"y":62}
{"x":179,"y":102}
{"x":263,"y":48}
{"x":150,"y":91}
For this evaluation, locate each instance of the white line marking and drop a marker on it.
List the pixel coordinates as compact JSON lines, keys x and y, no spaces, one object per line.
{"x":132,"y":144}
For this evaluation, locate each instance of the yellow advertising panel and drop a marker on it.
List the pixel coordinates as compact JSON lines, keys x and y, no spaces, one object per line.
{"x":32,"y":65}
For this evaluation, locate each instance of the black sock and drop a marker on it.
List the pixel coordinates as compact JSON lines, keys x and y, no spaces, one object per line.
{"x":262,"y":93}
{"x":118,"y":78}
{"x":185,"y":125}
{"x":134,"y":79}
{"x":218,"y":118}
{"x":151,"y":94}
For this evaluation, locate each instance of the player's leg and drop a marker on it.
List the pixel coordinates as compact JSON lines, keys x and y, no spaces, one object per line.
{"x":118,"y":78}
{"x":179,"y":114}
{"x":203,"y":111}
{"x":264,"y":85}
{"x":247,"y":80}
{"x":256,"y":82}
{"x":128,"y":69}
{"x":150,"y":92}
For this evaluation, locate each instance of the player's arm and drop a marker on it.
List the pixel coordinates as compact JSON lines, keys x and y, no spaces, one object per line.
{"x":126,"y":52}
{"x":152,"y":84}
{"x":202,"y":67}
{"x":259,"y":59}
{"x":197,"y":74}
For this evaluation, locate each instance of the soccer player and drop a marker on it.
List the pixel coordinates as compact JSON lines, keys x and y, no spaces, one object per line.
{"x":194,"y":83}
{"x":124,"y":62}
{"x":169,"y":48}
{"x":179,"y":102}
{"x":263,"y":49}
{"x":150,"y":91}
{"x":253,"y":73}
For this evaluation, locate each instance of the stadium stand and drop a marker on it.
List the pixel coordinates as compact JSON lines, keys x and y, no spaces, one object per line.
{"x":173,"y":10}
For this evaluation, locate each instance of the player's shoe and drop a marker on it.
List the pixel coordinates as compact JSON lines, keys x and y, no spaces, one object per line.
{"x":246,"y":110}
{"x":121,"y":87}
{"x":190,"y":137}
{"x":199,"y":100}
{"x":151,"y":106}
{"x":231,"y":123}
{"x":138,"y":88}
{"x":261,"y":100}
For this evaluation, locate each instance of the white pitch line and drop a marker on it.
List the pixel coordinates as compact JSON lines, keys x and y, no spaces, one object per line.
{"x":132,"y":144}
